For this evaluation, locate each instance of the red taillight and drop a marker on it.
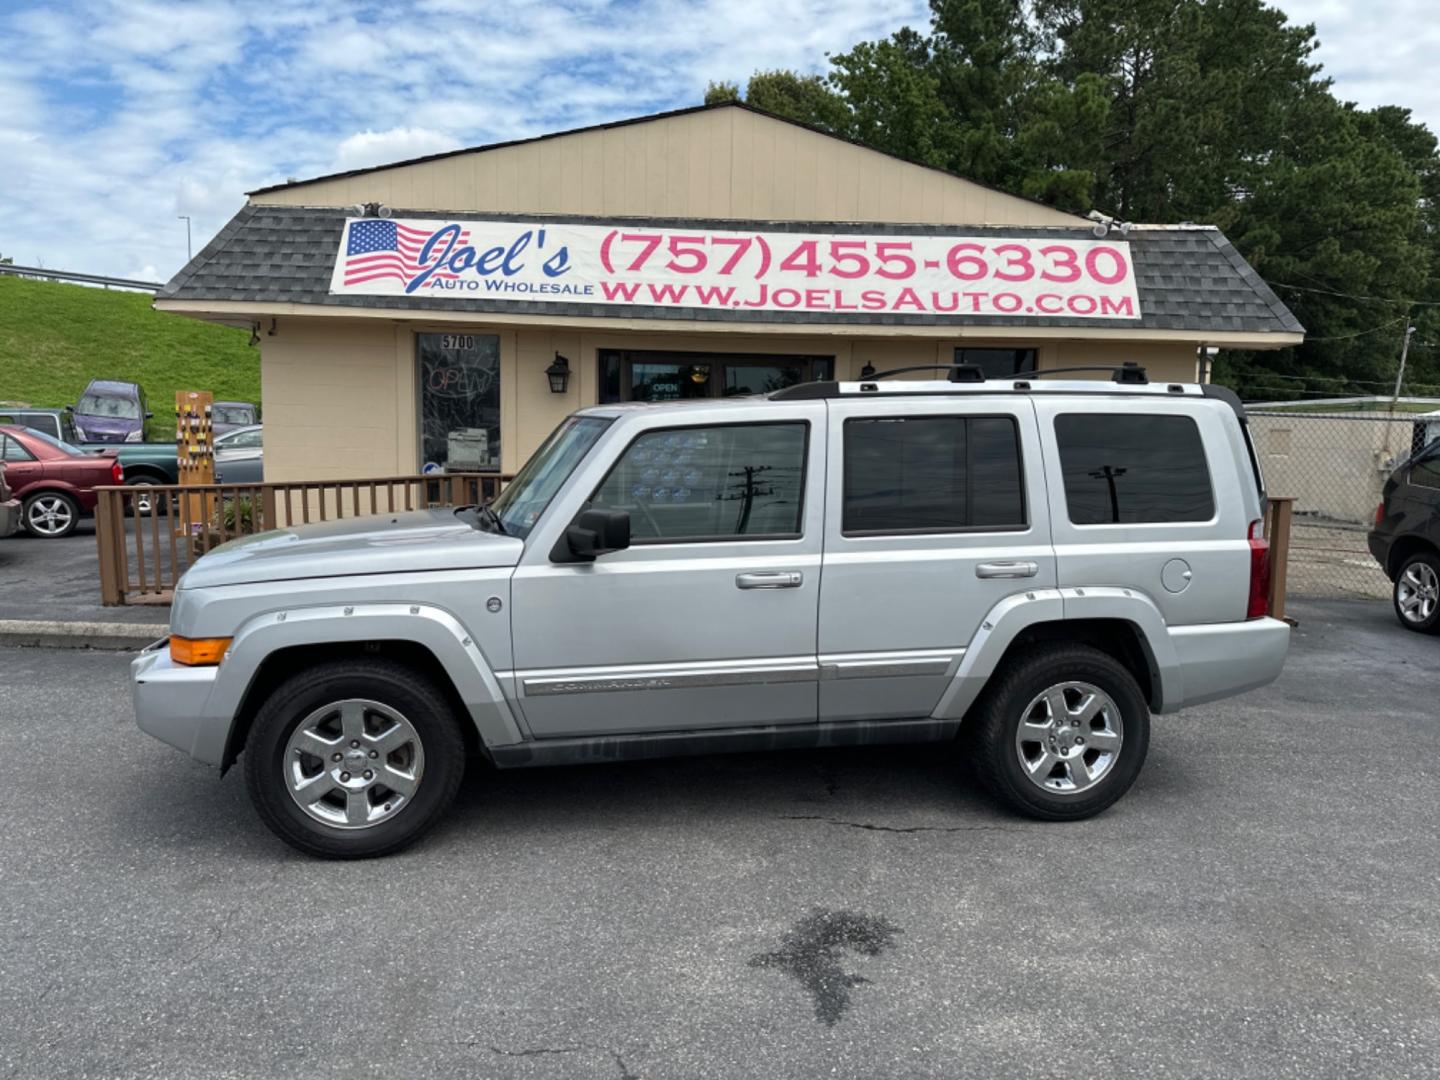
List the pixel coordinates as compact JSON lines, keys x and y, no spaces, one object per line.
{"x":1380,"y":513}
{"x":117,"y":474}
{"x":1259,"y":605}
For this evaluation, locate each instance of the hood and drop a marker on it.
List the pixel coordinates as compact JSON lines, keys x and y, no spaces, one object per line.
{"x":379,"y":544}
{"x":102,"y":428}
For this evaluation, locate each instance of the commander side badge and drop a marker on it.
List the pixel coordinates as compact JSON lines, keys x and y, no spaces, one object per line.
{"x":494,"y":604}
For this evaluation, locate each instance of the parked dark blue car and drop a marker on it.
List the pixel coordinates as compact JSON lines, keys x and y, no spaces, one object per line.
{"x":111,"y":412}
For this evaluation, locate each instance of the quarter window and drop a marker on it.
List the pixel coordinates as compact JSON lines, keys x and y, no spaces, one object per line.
{"x":1426,"y":471}
{"x":13,"y":451}
{"x":1132,"y":469}
{"x":932,"y":474}
{"x":710,"y":483}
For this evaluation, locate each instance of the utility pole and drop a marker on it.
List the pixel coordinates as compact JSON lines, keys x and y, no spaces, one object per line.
{"x":189,"y":253}
{"x":1400,"y":375}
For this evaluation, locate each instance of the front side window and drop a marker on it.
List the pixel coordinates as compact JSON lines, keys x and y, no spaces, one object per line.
{"x":459,"y":402}
{"x":1122,"y":468}
{"x":711,"y":483}
{"x":932,"y":474}
{"x":525,"y":498}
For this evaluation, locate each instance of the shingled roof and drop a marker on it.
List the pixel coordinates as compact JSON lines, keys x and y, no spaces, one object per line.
{"x":1188,"y":277}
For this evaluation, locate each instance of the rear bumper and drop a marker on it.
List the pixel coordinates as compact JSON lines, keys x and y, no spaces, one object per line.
{"x":172,"y":704}
{"x":9,"y":517}
{"x":1380,"y":544}
{"x":1220,"y":660}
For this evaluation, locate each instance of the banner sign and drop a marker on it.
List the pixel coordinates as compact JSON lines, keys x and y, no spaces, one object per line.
{"x":700,"y":269}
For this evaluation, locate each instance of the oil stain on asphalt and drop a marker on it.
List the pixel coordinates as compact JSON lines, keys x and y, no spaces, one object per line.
{"x":811,"y":952}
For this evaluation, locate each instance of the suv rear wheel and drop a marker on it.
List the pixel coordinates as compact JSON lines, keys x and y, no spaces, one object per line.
{"x":1062,"y":733}
{"x":352,"y":759}
{"x":1417,"y":593}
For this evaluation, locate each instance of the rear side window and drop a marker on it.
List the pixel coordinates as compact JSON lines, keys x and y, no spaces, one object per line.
{"x":1426,"y":471}
{"x":932,"y":474}
{"x":1122,"y":468}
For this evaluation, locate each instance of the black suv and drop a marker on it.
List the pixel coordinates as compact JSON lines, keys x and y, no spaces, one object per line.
{"x":1406,"y":539}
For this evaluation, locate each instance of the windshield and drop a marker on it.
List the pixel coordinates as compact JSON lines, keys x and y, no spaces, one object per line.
{"x":525,"y":498}
{"x":117,"y":408}
{"x":238,"y":414}
{"x":74,"y":451}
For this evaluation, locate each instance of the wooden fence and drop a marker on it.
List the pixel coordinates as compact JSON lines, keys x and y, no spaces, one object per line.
{"x":142,"y":555}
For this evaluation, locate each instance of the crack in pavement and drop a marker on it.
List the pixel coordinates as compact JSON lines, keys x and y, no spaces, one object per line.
{"x":870,"y":827}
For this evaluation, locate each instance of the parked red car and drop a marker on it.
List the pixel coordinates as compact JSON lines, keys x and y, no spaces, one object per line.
{"x":54,"y":481}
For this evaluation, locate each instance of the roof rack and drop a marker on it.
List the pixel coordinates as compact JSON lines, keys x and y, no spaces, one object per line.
{"x":969,"y":373}
{"x":1129,"y":373}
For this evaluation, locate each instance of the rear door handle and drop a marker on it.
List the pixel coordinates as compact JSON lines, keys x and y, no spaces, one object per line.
{"x":770,"y":579}
{"x":1019,"y":569}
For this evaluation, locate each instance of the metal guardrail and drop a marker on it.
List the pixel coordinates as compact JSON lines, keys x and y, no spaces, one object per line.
{"x":148,"y":537}
{"x":83,"y":279}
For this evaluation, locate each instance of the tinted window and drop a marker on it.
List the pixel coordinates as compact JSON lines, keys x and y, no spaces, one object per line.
{"x":1125,"y":469}
{"x":710,"y":482}
{"x":932,"y":473}
{"x":1426,"y":471}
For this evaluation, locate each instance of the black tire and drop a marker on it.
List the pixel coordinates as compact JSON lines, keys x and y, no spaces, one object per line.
{"x":37,"y":504}
{"x":393,"y":685}
{"x":997,"y":717}
{"x":1422,"y":568}
{"x":142,"y":482}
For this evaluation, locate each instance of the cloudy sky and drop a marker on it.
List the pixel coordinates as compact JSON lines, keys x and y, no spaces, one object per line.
{"x":118,"y":115}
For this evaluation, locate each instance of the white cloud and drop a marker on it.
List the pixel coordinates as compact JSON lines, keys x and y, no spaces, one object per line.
{"x":377,"y":147}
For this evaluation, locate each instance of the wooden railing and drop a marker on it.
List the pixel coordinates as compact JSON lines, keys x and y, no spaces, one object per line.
{"x":1278,"y":515}
{"x":147,"y":537}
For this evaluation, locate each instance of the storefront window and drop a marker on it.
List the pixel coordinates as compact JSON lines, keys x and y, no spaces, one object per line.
{"x":459,"y":402}
{"x":998,"y":363}
{"x":627,"y":375}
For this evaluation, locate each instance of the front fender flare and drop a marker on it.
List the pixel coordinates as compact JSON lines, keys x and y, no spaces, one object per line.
{"x":1004,"y":622}
{"x":430,"y":627}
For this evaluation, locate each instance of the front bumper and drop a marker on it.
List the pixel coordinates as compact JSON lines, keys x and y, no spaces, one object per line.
{"x":9,"y":517}
{"x":172,"y":703}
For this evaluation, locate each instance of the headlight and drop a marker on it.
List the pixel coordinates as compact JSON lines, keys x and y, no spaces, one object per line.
{"x":135,"y":436}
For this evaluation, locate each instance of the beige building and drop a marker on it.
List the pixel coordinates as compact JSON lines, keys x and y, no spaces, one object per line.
{"x":447,"y":312}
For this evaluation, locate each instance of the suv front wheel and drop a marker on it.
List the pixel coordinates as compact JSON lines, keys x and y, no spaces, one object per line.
{"x":352,"y":759}
{"x":1062,"y":733}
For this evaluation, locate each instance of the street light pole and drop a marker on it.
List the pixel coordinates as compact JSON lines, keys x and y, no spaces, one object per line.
{"x":1400,"y":375}
{"x":189,"y":253}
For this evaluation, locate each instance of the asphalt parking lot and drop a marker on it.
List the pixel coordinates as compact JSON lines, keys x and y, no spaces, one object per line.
{"x":60,"y":580}
{"x":1261,"y":904}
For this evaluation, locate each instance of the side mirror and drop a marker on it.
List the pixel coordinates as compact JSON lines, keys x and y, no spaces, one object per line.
{"x":69,"y":408}
{"x":592,"y":534}
{"x":149,"y":416}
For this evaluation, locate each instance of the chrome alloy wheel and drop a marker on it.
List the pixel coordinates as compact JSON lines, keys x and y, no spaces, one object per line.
{"x":49,"y":515}
{"x":354,"y":763}
{"x":1417,"y":592}
{"x":1069,"y":738}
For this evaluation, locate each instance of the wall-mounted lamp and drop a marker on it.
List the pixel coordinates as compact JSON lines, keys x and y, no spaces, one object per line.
{"x":559,"y":375}
{"x":868,"y":371}
{"x":371,"y":210}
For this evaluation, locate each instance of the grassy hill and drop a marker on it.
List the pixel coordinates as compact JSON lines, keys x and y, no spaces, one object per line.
{"x":55,"y":338}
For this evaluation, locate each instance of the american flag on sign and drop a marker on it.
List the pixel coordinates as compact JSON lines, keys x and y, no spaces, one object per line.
{"x":387,"y":249}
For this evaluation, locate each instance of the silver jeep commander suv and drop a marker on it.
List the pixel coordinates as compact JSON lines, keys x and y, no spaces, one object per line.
{"x":1034,"y":565}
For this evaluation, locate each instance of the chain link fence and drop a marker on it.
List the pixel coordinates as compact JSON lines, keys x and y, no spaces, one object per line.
{"x":1334,"y":465}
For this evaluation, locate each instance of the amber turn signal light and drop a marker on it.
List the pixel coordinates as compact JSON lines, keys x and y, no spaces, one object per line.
{"x":198,"y":652}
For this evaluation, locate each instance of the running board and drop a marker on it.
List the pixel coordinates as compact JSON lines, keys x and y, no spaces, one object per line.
{"x":662,"y":744}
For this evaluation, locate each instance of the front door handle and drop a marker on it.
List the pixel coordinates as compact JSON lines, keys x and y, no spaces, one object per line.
{"x":770,"y":579}
{"x":1018,"y":569}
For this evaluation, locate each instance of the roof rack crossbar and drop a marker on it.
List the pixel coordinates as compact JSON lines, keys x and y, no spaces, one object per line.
{"x":958,"y":372}
{"x":1128,"y":372}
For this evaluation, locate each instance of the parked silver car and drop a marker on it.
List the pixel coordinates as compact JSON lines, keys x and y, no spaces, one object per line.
{"x":240,"y":456}
{"x":1039,"y":565}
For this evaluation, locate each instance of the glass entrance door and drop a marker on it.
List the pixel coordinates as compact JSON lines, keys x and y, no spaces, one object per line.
{"x":648,"y":375}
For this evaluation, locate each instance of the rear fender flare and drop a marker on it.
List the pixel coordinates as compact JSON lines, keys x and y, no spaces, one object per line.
{"x":1004,"y":622}
{"x":430,"y":627}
